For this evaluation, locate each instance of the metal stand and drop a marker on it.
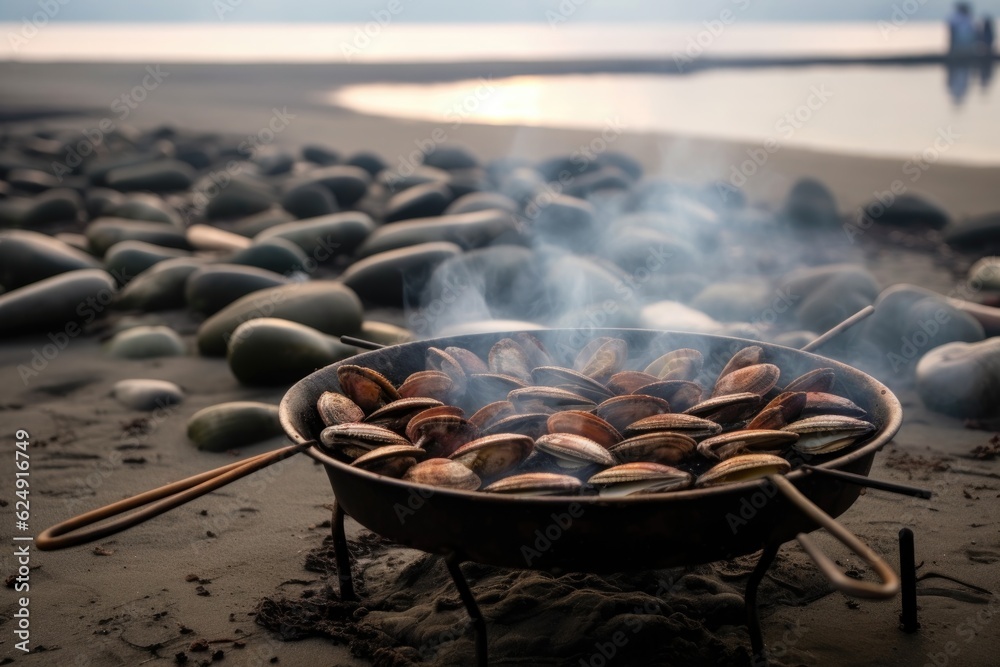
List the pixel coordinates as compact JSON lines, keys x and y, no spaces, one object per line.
{"x":908,"y":576}
{"x":476,"y":616}
{"x":342,"y":555}
{"x":753,"y":614}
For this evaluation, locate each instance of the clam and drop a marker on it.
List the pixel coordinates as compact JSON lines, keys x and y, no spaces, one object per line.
{"x":727,"y":409}
{"x":755,"y":379}
{"x":443,"y":473}
{"x":662,"y":447}
{"x":532,"y":424}
{"x":734,"y":443}
{"x":396,"y":416}
{"x":536,"y":484}
{"x":682,"y":364}
{"x":550,"y":397}
{"x":436,"y":411}
{"x":748,"y":356}
{"x":533,"y":348}
{"x":640,"y":477}
{"x":508,"y":358}
{"x":442,"y":435}
{"x":680,"y":394}
{"x":621,"y":411}
{"x":468,"y":360}
{"x":494,"y":455}
{"x":626,"y":382}
{"x":820,"y":403}
{"x":439,"y":360}
{"x":368,"y":388}
{"x":586,"y":424}
{"x":690,"y":425}
{"x":427,"y":384}
{"x":574,"y":381}
{"x":336,"y":408}
{"x":574,"y":451}
{"x":744,"y":467}
{"x":492,"y":412}
{"x":820,"y":380}
{"x":604,"y":361}
{"x":828,"y":433}
{"x":354,"y":440}
{"x":391,"y":460}
{"x":486,"y":388}
{"x":781,"y":411}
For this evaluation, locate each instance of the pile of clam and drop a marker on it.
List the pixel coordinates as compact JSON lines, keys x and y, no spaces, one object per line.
{"x":517,"y":423}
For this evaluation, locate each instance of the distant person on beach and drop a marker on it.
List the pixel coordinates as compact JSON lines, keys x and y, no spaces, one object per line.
{"x":961,"y":30}
{"x":985,"y":36}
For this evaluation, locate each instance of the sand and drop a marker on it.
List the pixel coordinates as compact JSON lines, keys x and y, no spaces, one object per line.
{"x":200,"y":572}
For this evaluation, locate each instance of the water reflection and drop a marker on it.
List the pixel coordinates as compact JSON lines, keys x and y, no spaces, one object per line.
{"x":963,"y":75}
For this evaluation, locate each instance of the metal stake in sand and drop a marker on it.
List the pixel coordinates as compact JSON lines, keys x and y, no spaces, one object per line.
{"x":908,"y":575}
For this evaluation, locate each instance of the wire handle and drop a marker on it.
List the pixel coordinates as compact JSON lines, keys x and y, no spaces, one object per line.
{"x":163,"y":499}
{"x":889,"y":580}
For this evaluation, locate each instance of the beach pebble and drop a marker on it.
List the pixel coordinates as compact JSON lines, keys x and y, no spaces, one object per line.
{"x":275,"y":254}
{"x":101,"y":202}
{"x":58,"y":205}
{"x":27,"y":257}
{"x":14,"y":210}
{"x":592,"y":284}
{"x":481,"y":201}
{"x":272,"y":163}
{"x":908,"y":210}
{"x":743,"y":301}
{"x":147,"y":395}
{"x":324,"y":305}
{"x":309,"y":201}
{"x":564,"y":221}
{"x":395,"y":181}
{"x":56,"y":304}
{"x":97,"y":170}
{"x":811,"y":204}
{"x":644,"y":252}
{"x":622,"y":161}
{"x":31,"y":180}
{"x":242,"y":196}
{"x":591,"y":182}
{"x":347,"y":184}
{"x":978,"y":233}
{"x":127,"y":259}
{"x":390,"y":277}
{"x":421,"y":201}
{"x":160,"y":287}
{"x":674,"y":316}
{"x":320,"y":154}
{"x":146,"y":342}
{"x":270,"y":351}
{"x":962,"y":379}
{"x":213,"y":239}
{"x":146,"y":207}
{"x":105,"y":232}
{"x":449,"y":157}
{"x":236,"y":424}
{"x":211,"y":288}
{"x":985,"y":275}
{"x":159,"y":176}
{"x":252,"y":225}
{"x":469,"y":230}
{"x":324,"y":238}
{"x":370,"y":162}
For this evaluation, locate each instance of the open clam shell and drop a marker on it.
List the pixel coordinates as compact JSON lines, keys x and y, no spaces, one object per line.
{"x":368,"y":388}
{"x":494,"y":455}
{"x":748,"y":356}
{"x":744,"y":467}
{"x":820,"y":379}
{"x":622,"y":411}
{"x":828,"y":433}
{"x":427,"y":384}
{"x":734,"y":443}
{"x":391,"y":460}
{"x":756,"y":379}
{"x":626,"y":382}
{"x":532,"y":424}
{"x":781,"y":411}
{"x":492,"y":412}
{"x":439,"y":360}
{"x":573,"y":452}
{"x":690,"y":425}
{"x":337,"y":408}
{"x":663,"y":447}
{"x":641,"y":477}
{"x":682,"y":364}
{"x":574,"y":381}
{"x":537,"y":484}
{"x":586,"y":424}
{"x":507,"y":357}
{"x":728,"y":408}
{"x":396,"y":416}
{"x":443,"y":434}
{"x":443,"y":473}
{"x":354,"y":440}
{"x":680,"y":394}
{"x":603,"y":361}
{"x":550,"y":397}
{"x":821,"y":403}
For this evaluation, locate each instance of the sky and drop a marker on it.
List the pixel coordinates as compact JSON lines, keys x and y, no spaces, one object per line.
{"x":480,"y":10}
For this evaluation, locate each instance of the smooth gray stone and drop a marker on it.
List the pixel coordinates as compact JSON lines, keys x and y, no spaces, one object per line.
{"x":106,"y":232}
{"x":605,"y":178}
{"x":31,"y":180}
{"x":395,"y":181}
{"x":159,"y":176}
{"x":242,"y":196}
{"x":146,"y":342}
{"x":643,"y":252}
{"x":978,"y":233}
{"x":127,"y":259}
{"x":27,"y":257}
{"x":396,"y":277}
{"x":347,"y":184}
{"x":326,"y":305}
{"x":565,"y":221}
{"x":481,"y":201}
{"x":450,"y":156}
{"x":146,"y":395}
{"x":161,"y":287}
{"x":469,"y":230}
{"x":623,"y":161}
{"x":14,"y":210}
{"x":738,"y":301}
{"x":270,"y":351}
{"x":962,"y":379}
{"x":370,"y":162}
{"x":57,"y":205}
{"x":884,"y":327}
{"x":571,"y":283}
{"x":321,"y":155}
{"x":811,"y":204}
{"x":908,"y":210}
{"x":462,"y":182}
{"x":421,"y":201}
{"x":225,"y":426}
{"x":147,"y":207}
{"x":212,"y":288}
{"x":309,"y":201}
{"x":274,"y":254}
{"x":522,"y":184}
{"x":252,"y":225}
{"x":102,"y":202}
{"x":98,"y":170}
{"x":57,"y":304}
{"x":274,"y":163}
{"x":326,"y":237}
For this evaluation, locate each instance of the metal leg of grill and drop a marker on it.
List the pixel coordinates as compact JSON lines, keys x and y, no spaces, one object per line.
{"x":753,"y":613}
{"x":478,"y":622}
{"x":341,"y":553}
